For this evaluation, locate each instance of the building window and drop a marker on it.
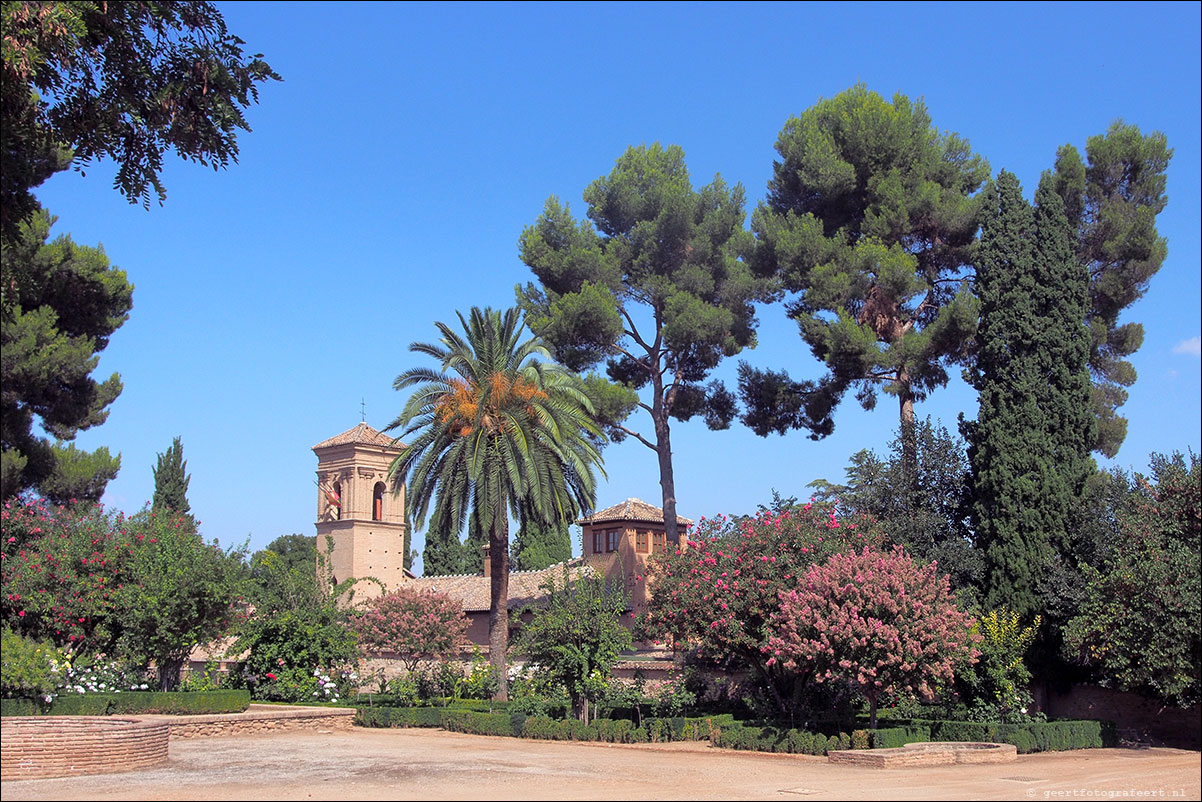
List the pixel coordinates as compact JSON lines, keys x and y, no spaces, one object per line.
{"x":598,"y":542}
{"x":640,"y":542}
{"x":377,"y":502}
{"x":659,"y":542}
{"x":612,"y":538}
{"x":337,"y":501}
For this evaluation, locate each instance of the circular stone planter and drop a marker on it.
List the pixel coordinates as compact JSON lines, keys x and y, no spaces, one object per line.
{"x":932,"y":753}
{"x":62,"y":746}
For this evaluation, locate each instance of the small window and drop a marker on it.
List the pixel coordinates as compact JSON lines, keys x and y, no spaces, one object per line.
{"x":640,"y":542}
{"x":659,"y":542}
{"x":612,"y":538}
{"x":337,"y":501}
{"x":377,"y":502}
{"x":598,"y":541}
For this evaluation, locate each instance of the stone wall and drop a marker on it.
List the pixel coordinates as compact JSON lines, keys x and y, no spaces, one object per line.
{"x":260,"y":718}
{"x":62,"y":746}
{"x":1136,"y":717}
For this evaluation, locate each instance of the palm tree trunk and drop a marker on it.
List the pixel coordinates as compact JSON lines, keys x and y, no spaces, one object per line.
{"x":498,"y":610}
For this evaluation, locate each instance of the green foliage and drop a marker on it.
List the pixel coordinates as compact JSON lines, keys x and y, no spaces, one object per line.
{"x":1138,"y":624}
{"x":655,"y":287}
{"x":893,"y":737}
{"x":126,"y":81}
{"x":1112,"y":199}
{"x":171,"y":482}
{"x":494,"y":428}
{"x":283,"y":576}
{"x":932,"y":521}
{"x":287,"y":647}
{"x":181,"y":592}
{"x":1030,"y":444}
{"x":540,"y":544}
{"x":997,"y":686}
{"x":132,"y":703}
{"x":28,"y":669}
{"x":575,"y":638}
{"x":869,"y":222}
{"x":60,"y":304}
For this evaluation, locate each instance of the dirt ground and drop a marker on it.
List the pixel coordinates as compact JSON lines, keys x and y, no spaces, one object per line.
{"x":431,"y":764}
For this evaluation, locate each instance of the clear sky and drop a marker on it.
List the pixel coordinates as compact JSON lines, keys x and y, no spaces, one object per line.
{"x":388,"y":177}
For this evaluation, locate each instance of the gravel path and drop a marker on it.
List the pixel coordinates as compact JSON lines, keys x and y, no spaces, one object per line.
{"x":431,"y":764}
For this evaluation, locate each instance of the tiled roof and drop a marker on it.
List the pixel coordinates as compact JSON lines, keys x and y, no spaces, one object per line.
{"x":632,"y":509}
{"x":360,"y":434}
{"x":525,"y":587}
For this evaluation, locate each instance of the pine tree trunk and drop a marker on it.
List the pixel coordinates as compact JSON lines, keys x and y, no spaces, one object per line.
{"x":498,"y":611}
{"x":909,"y":439}
{"x":663,"y":451}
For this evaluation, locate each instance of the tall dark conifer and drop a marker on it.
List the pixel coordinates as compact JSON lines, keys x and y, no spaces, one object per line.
{"x":1030,"y":444}
{"x":1006,"y":441}
{"x":171,"y":481}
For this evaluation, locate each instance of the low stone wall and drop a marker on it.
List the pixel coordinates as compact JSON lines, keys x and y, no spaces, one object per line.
{"x":934,"y":753}
{"x":62,"y":746}
{"x":258,"y":718}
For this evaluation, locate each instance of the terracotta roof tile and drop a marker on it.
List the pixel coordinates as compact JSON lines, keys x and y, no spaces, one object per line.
{"x":525,"y":587}
{"x":360,"y":434}
{"x":632,"y":509}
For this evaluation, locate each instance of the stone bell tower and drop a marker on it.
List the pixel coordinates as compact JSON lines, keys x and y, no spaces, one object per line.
{"x":357,"y":508}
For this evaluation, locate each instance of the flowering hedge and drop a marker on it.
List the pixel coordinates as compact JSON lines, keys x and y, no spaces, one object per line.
{"x":147,"y":587}
{"x":719,"y":593}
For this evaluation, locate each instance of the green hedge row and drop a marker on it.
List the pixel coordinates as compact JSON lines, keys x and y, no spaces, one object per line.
{"x":389,"y":700}
{"x":1036,"y":736}
{"x":519,"y":725}
{"x":132,"y":703}
{"x":779,"y":739}
{"x":1047,"y":736}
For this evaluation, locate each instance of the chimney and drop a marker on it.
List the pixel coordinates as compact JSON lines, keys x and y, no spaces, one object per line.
{"x":487,"y":561}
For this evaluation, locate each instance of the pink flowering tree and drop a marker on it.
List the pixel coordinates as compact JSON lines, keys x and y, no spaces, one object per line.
{"x":718,"y":594}
{"x":413,"y":625}
{"x":878,"y":621}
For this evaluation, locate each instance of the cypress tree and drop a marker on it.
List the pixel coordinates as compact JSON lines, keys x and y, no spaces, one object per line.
{"x":1006,"y":441}
{"x":171,"y":481}
{"x":539,"y":543}
{"x":1030,"y":445}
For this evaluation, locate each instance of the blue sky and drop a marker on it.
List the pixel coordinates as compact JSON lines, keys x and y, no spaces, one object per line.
{"x":388,"y":177}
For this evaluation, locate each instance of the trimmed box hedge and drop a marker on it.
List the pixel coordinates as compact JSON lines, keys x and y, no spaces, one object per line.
{"x":458,"y":719}
{"x":128,"y":703}
{"x":1035,"y":736}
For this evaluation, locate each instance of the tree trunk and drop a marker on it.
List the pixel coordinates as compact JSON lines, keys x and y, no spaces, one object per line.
{"x":871,"y":711}
{"x":169,"y":670}
{"x":909,"y":439}
{"x":498,"y":611}
{"x":663,"y":451}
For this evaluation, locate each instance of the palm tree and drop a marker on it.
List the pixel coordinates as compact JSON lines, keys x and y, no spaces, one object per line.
{"x":498,"y":425}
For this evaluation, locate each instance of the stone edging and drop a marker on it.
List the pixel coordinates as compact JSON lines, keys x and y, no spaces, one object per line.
{"x":258,"y":718}
{"x":933,"y":753}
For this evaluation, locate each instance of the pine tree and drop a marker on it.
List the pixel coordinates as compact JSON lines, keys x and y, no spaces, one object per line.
{"x":1112,"y":198}
{"x":1030,"y":444}
{"x":171,"y":481}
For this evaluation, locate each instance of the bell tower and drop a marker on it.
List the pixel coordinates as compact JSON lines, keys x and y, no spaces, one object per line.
{"x":357,"y":508}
